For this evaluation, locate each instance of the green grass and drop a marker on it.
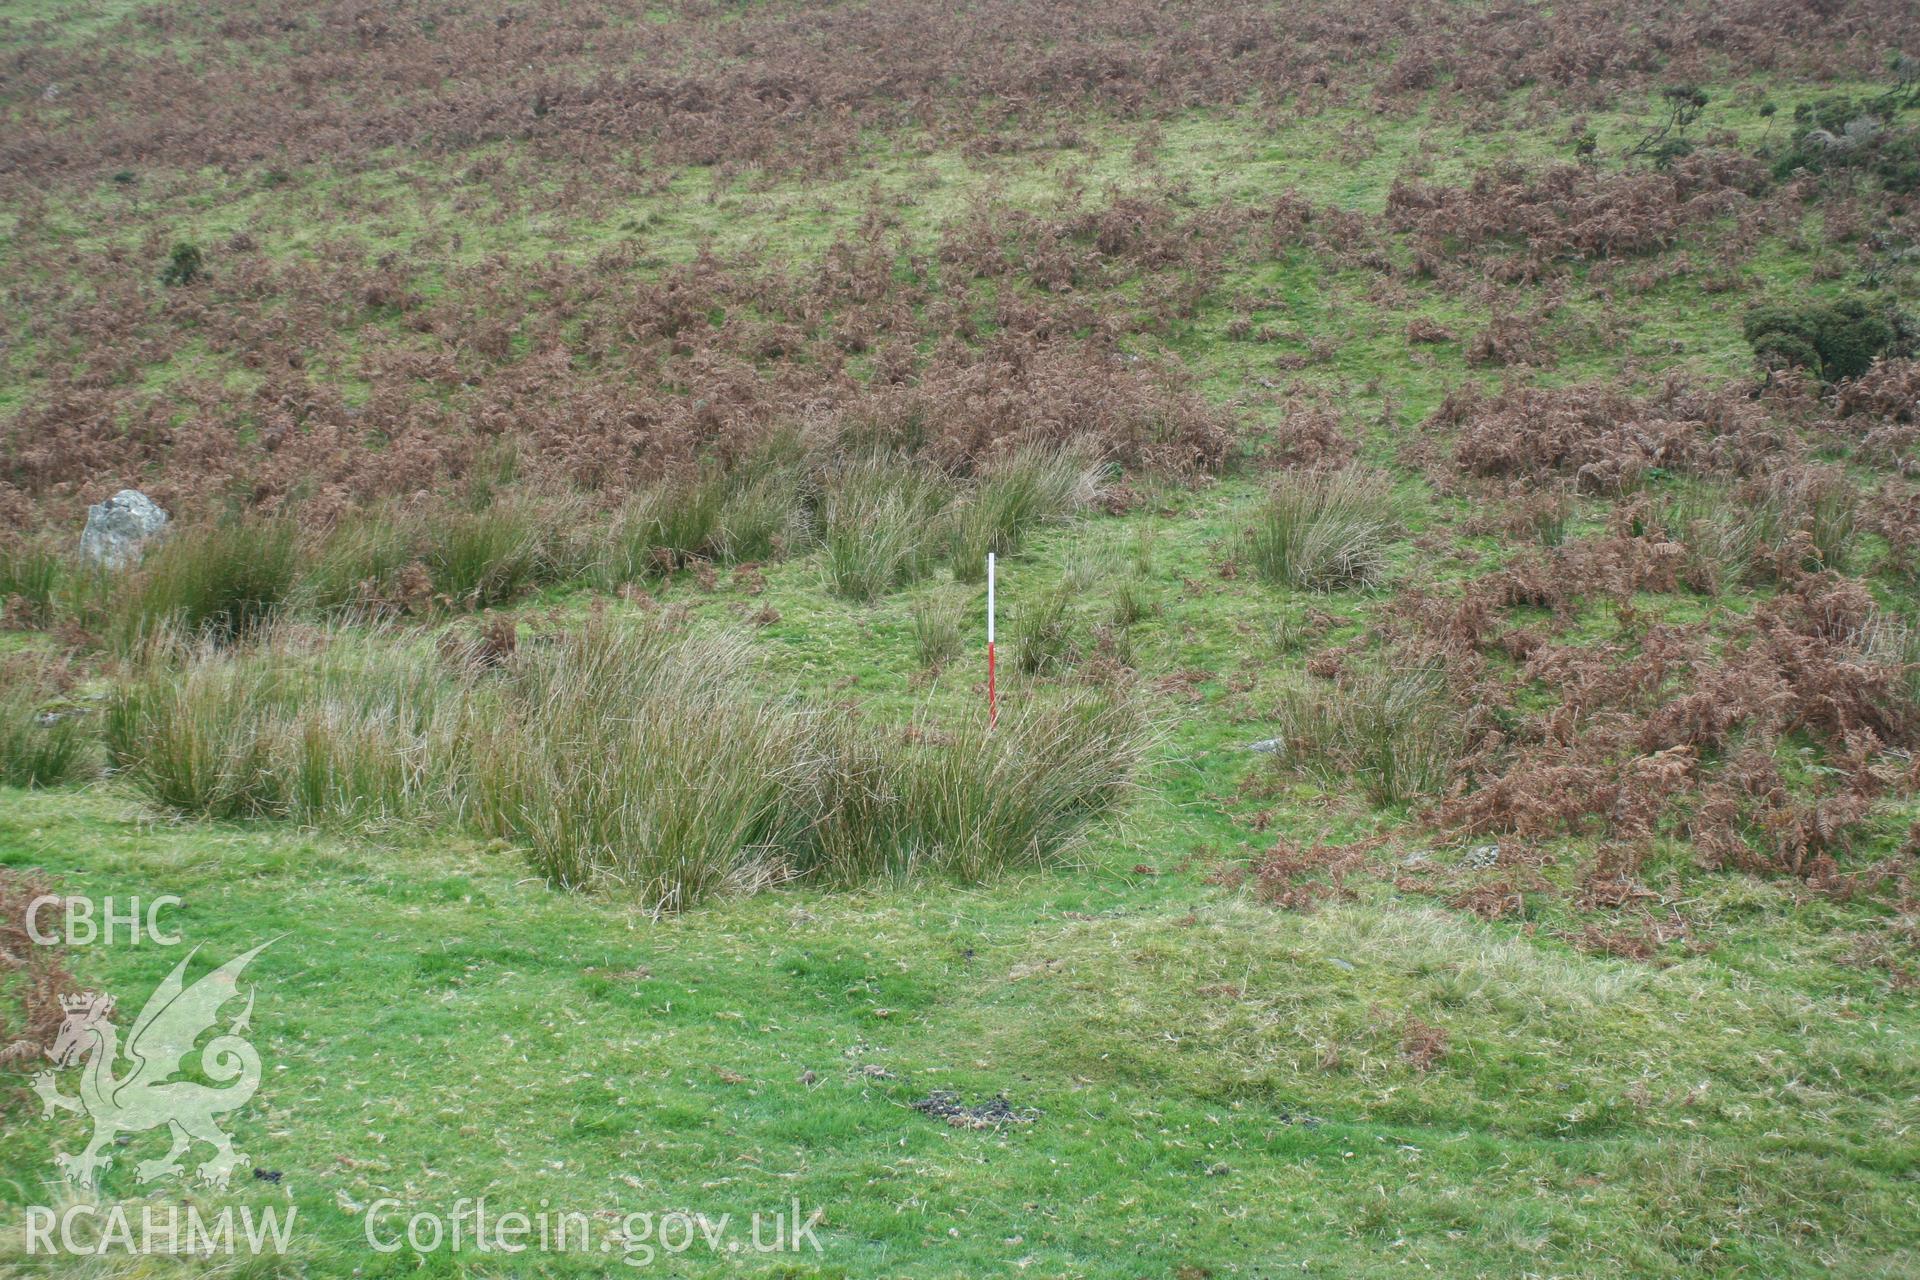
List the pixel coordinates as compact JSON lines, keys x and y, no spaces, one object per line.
{"x":1171,"y":1042}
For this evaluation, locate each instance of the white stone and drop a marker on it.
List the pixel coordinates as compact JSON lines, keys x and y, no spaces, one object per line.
{"x":119,"y":527}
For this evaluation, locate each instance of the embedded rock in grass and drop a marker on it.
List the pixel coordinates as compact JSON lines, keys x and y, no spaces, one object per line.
{"x":1481,"y":857}
{"x":119,"y":527}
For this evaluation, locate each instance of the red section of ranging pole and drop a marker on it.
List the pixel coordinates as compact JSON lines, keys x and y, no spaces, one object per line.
{"x":993,"y":695}
{"x":993,"y":700}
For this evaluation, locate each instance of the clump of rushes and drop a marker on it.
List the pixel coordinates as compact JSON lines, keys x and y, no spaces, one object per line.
{"x":1041,"y":634}
{"x":321,"y":728}
{"x":357,"y":563}
{"x":1392,"y":727}
{"x":967,"y":802}
{"x":880,"y":524}
{"x":642,"y":761}
{"x":1323,"y":530}
{"x":651,"y":763}
{"x":223,"y":579}
{"x":481,"y":558}
{"x":30,"y":579}
{"x":1032,"y":486}
{"x":763,"y":515}
{"x":1805,"y":518}
{"x":938,"y":628}
{"x":44,"y":741}
{"x":753,"y":512}
{"x":639,"y":760}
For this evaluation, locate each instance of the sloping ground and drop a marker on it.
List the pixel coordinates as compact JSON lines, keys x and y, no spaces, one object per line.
{"x":1499,"y":446}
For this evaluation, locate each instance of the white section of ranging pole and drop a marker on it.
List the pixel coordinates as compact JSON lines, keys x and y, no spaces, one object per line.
{"x":989,"y":597}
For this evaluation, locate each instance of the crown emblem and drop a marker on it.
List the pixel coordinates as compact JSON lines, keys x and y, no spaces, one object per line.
{"x":83,"y":1001}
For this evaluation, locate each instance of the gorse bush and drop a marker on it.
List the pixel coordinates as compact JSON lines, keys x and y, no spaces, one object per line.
{"x":1321,"y":530}
{"x":1832,"y":340}
{"x":1847,"y":134}
{"x":184,"y":265}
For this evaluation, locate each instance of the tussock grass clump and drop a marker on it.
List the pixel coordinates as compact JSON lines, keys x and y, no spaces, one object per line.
{"x":358,"y":562}
{"x":1029,"y":487}
{"x":1322,"y":530}
{"x":753,"y":512}
{"x":685,"y":515}
{"x":30,"y":578}
{"x":1804,"y":519}
{"x":972,"y":801}
{"x":650,"y":762}
{"x":479,"y":559}
{"x":639,"y":759}
{"x":1391,"y":727}
{"x":939,"y":628}
{"x":319,"y":729}
{"x":763,"y":515}
{"x":636,"y":759}
{"x":1041,"y":635}
{"x":43,"y":742}
{"x":223,"y":579}
{"x":880,"y":523}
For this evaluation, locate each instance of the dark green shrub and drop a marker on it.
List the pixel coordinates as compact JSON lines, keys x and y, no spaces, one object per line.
{"x":1834,"y":340}
{"x":1843,"y":133}
{"x":184,"y":265}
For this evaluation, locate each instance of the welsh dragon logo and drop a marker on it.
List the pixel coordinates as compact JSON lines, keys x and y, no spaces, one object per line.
{"x":147,"y":1096}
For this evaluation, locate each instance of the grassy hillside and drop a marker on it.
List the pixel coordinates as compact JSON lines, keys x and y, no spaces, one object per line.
{"x":1453,"y":805}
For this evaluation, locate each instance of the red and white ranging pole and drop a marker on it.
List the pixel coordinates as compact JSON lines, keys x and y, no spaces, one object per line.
{"x":993,"y":696}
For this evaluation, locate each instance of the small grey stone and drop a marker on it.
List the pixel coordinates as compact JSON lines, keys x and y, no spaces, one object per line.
{"x":1481,"y":856}
{"x":118,"y":528}
{"x":1338,"y":963}
{"x":1266,"y":746}
{"x":1418,"y":858}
